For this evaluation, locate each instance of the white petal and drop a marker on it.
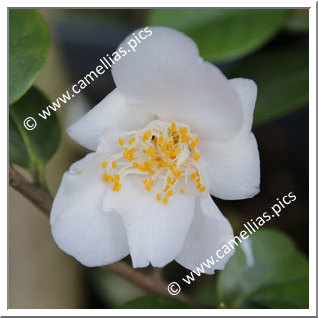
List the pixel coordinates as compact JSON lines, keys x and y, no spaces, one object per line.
{"x":155,"y":231}
{"x":166,"y":76}
{"x":209,"y":231}
{"x":112,"y":111}
{"x":247,"y":91}
{"x":233,"y":168}
{"x":79,"y":226}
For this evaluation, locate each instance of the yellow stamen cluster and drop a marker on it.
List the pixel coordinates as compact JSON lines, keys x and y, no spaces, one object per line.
{"x":162,"y":152}
{"x":196,"y":177}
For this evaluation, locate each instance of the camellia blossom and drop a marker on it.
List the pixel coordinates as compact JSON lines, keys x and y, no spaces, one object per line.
{"x":173,"y":132}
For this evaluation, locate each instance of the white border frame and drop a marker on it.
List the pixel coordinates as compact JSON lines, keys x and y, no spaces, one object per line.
{"x":312,"y":165}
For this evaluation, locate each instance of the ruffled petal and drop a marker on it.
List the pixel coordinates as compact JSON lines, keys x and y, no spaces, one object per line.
{"x":247,"y":91}
{"x":79,"y":226}
{"x":155,"y":231}
{"x":166,"y":76}
{"x":112,"y":111}
{"x":232,"y":168}
{"x":208,"y":232}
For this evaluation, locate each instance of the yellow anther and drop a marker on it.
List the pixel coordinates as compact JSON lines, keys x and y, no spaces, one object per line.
{"x":114,"y":164}
{"x":183,"y":130}
{"x":121,"y":141}
{"x":166,"y":188}
{"x":177,"y":173}
{"x":116,"y":177}
{"x":151,"y":152}
{"x":185,"y":138}
{"x":145,"y":181}
{"x":131,"y":154}
{"x":173,"y":128}
{"x":182,"y":191}
{"x":165,"y":200}
{"x":146,"y":135}
{"x":194,"y":143}
{"x":110,"y":178}
{"x":158,"y":196}
{"x":126,"y":154}
{"x":202,"y":189}
{"x":169,"y":193}
{"x":131,"y":140}
{"x":194,"y":175}
{"x":135,"y":164}
{"x":160,"y":139}
{"x":151,"y":182}
{"x":196,"y":156}
{"x":116,"y":186}
{"x":148,"y":187}
{"x":104,"y":164}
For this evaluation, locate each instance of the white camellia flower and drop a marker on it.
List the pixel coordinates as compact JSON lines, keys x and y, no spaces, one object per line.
{"x":174,"y":131}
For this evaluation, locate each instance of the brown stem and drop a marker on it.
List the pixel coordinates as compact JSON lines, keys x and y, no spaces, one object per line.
{"x":147,"y":282}
{"x":38,"y":196}
{"x":156,"y":273}
{"x":42,"y":200}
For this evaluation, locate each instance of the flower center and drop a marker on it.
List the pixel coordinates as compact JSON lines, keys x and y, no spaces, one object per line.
{"x":162,"y":151}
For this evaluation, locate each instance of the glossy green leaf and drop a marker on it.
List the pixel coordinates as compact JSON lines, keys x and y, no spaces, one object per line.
{"x":223,"y":34}
{"x":155,"y":302}
{"x":29,"y":41}
{"x":276,"y":276}
{"x":282,"y":77}
{"x":31,"y":149}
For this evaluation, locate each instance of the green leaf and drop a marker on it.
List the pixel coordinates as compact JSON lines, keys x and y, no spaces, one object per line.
{"x":223,"y":34}
{"x":31,"y":149}
{"x":277,"y":276}
{"x":29,"y":41}
{"x":282,"y":77}
{"x":155,"y":302}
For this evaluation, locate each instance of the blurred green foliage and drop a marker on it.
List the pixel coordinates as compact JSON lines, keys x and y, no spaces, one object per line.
{"x":29,"y":42}
{"x":223,"y":34}
{"x":31,"y":149}
{"x":276,"y":277}
{"x":281,"y":75}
